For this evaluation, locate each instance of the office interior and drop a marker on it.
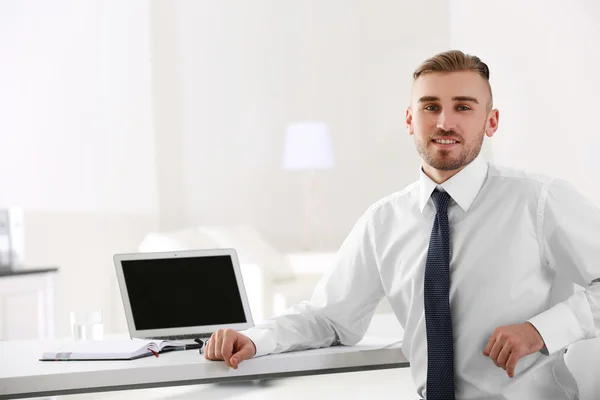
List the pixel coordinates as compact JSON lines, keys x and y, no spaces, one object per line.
{"x":151,"y":125}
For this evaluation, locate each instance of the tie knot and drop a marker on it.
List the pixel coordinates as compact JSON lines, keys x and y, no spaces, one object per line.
{"x":441,"y":200}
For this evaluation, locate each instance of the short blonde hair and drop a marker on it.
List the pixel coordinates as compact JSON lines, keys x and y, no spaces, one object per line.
{"x":453,"y":61}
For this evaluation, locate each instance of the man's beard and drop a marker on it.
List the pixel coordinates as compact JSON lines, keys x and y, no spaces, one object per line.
{"x":441,"y":160}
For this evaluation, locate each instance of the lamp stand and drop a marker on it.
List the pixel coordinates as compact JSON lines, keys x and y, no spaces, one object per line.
{"x":315,"y":219}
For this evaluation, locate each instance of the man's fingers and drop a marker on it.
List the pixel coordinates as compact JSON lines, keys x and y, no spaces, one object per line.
{"x":218,"y":343}
{"x":230,"y":346}
{"x":248,"y":350}
{"x":229,"y":339}
{"x":511,"y":343}
{"x":503,"y":356}
{"x":488,"y":347}
{"x":511,"y":364}
{"x":498,"y":346}
{"x":209,"y":351}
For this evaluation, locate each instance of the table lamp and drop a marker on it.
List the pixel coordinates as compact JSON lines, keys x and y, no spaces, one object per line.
{"x":309,"y":148}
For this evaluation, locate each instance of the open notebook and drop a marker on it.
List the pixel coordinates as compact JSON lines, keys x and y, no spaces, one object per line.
{"x":110,"y":349}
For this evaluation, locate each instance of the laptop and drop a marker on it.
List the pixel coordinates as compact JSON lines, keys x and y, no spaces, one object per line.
{"x":182,"y":295}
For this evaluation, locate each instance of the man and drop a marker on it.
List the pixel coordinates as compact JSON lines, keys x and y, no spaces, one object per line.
{"x":471,"y":258}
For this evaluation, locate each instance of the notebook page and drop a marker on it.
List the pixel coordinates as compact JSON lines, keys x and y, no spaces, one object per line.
{"x":158,"y":345}
{"x":99,"y":348}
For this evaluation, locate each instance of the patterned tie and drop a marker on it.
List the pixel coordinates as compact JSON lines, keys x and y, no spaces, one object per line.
{"x":440,"y":347}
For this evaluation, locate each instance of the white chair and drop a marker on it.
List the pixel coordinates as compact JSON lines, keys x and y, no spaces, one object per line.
{"x":583,"y":362}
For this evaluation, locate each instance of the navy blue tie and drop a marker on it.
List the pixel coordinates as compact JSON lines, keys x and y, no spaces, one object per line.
{"x":438,"y":320}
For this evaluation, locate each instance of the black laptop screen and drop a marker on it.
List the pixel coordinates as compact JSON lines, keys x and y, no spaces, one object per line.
{"x":183,"y":292}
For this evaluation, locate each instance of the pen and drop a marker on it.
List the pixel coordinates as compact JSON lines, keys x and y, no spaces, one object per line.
{"x":191,"y":346}
{"x":200,"y":344}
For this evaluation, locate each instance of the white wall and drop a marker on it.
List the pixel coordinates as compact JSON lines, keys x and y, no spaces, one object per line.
{"x":76,"y":127}
{"x":231,"y":74}
{"x":115,"y":115}
{"x":77,"y":141}
{"x":544,"y":63}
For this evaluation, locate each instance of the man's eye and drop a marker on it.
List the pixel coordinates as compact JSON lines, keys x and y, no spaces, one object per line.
{"x":431,"y":107}
{"x":463,"y":108}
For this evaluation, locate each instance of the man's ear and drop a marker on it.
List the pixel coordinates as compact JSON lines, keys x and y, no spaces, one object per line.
{"x":492,"y":123}
{"x":408,"y":121}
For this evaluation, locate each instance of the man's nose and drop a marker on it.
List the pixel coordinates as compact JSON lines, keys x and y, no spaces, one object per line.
{"x":446,"y":121}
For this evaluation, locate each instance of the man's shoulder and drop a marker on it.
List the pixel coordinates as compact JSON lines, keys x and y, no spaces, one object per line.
{"x":406,"y":196}
{"x":518,"y":175}
{"x":543,"y":183}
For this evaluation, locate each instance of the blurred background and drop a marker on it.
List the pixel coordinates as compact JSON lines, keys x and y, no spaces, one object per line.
{"x":265,"y":125}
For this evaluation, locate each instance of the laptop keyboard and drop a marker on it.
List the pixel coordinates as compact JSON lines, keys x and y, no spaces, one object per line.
{"x":182,"y":337}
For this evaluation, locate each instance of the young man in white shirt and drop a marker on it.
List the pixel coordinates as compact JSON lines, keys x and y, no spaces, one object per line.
{"x":468,"y":257}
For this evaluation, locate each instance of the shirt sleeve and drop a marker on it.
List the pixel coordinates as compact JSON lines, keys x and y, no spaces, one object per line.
{"x":341,"y":307}
{"x":570,"y":239}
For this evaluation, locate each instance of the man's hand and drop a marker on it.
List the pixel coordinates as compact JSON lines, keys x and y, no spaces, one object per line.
{"x":230,"y":346}
{"x":510,"y":343}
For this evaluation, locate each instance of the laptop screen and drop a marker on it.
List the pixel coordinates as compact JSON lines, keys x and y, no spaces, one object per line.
{"x":183,"y":292}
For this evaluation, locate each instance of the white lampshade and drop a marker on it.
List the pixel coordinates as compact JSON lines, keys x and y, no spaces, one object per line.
{"x":308,"y":146}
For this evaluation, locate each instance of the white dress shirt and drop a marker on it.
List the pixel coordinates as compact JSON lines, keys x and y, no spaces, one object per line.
{"x":518,"y":241}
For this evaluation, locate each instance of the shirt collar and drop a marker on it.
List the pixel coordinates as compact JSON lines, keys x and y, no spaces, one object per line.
{"x":462,"y":187}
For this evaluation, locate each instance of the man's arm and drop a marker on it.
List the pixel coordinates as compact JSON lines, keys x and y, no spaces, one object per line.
{"x":570,"y":240}
{"x":342,"y":304}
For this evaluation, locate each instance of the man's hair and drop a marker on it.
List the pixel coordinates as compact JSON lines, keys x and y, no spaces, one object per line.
{"x":453,"y":61}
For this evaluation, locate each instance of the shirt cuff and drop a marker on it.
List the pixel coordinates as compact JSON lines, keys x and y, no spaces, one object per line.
{"x":263,"y":340}
{"x":558,"y":327}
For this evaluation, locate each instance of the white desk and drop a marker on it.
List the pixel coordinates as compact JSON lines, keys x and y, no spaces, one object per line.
{"x":15,"y":284}
{"x":22,"y":375}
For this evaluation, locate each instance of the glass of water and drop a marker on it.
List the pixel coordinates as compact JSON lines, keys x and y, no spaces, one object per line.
{"x":87,"y":325}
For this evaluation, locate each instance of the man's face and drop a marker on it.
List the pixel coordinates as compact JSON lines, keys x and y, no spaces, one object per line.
{"x":449,"y":116}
